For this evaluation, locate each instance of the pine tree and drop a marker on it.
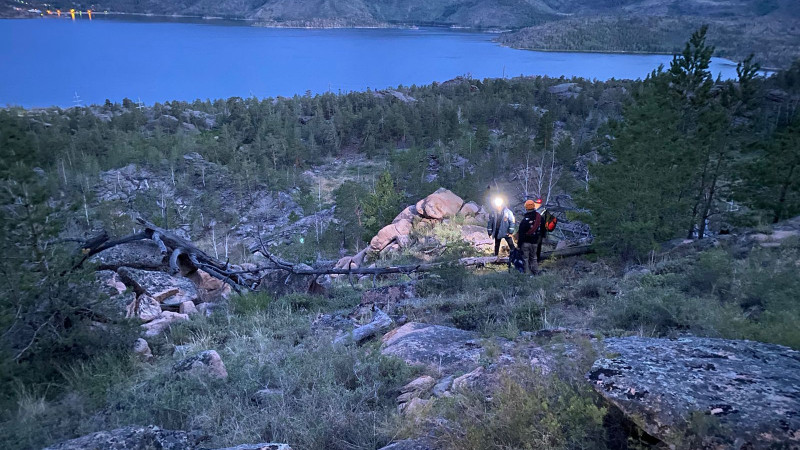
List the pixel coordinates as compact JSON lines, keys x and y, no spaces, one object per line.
{"x":773,"y":180}
{"x":636,"y":200}
{"x":382,"y":205}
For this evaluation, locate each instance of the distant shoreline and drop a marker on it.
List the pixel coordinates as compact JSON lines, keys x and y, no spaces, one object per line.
{"x":229,"y":21}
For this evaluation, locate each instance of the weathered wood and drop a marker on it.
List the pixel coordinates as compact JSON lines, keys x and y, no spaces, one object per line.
{"x":157,"y":238}
{"x":173,"y":260}
{"x":380,"y":323}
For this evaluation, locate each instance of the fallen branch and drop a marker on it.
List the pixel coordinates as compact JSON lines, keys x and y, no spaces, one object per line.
{"x":406,"y":269}
{"x":380,"y":323}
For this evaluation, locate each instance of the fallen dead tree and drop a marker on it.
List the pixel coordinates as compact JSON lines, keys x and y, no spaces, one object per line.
{"x":181,"y":252}
{"x":298,"y":269}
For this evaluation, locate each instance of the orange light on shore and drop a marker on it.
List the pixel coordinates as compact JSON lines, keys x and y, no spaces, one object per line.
{"x":58,"y":11}
{"x":72,"y":13}
{"x":90,"y":14}
{"x":49,"y":12}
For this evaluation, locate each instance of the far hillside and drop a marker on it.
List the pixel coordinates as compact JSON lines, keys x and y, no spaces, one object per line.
{"x":768,"y":28}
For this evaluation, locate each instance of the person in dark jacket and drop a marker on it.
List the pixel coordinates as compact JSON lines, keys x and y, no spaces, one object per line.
{"x":501,"y":225}
{"x":531,"y":231}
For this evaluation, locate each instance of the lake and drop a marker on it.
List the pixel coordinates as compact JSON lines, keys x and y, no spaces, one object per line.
{"x":47,"y":61}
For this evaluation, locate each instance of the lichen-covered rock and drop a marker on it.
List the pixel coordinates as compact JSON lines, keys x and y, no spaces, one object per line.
{"x":131,"y":438}
{"x":207,"y":362}
{"x":416,"y":388}
{"x":110,"y":282}
{"x":169,"y":290}
{"x":143,"y":254}
{"x":142,"y":348}
{"x":440,"y":348}
{"x":752,"y":388}
{"x":439,"y":205}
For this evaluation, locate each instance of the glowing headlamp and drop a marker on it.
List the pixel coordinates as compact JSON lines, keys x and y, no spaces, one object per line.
{"x":498,"y":201}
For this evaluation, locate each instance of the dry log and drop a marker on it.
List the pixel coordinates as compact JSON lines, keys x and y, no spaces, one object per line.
{"x":380,"y":323}
{"x":412,"y":268}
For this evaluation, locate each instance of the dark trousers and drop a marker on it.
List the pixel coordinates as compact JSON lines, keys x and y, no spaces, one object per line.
{"x":497,"y":241}
{"x":529,"y":256}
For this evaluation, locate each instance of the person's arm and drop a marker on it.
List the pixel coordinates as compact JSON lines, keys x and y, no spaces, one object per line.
{"x":489,"y":225}
{"x":511,"y":222}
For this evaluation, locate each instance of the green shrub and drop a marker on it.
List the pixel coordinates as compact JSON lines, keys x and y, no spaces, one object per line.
{"x":712,"y":275}
{"x":528,"y":410}
{"x":250,"y":303}
{"x":446,"y":280}
{"x":657,"y":311}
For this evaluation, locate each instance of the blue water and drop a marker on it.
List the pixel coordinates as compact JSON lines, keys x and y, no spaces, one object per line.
{"x":45,"y":62}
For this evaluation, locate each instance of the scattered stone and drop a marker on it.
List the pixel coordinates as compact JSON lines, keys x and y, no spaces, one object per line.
{"x":144,"y":307}
{"x":261,"y":446}
{"x":163,"y":322}
{"x":753,"y":389}
{"x":142,"y":348}
{"x":442,"y":388}
{"x":416,"y":388}
{"x":420,"y":384}
{"x":266,"y":396}
{"x":207,"y":362}
{"x":442,"y":349}
{"x":130,"y":438}
{"x":414,"y":407}
{"x":467,"y":380}
{"x":409,"y":444}
{"x":169,"y":290}
{"x":187,"y":308}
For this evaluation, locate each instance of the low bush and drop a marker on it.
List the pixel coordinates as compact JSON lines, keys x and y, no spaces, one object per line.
{"x":528,"y":410}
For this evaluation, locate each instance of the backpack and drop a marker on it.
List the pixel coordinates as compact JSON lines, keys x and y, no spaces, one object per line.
{"x":550,"y":222}
{"x":516,"y":261}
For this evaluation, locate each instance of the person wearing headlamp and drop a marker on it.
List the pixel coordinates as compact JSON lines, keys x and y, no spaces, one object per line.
{"x":501,"y":224}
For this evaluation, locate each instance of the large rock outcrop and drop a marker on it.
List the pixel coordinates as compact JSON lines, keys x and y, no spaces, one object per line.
{"x":751,"y":388}
{"x":150,"y":438}
{"x":143,"y":254}
{"x":440,"y":205}
{"x":131,"y":438}
{"x":443,"y":349}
